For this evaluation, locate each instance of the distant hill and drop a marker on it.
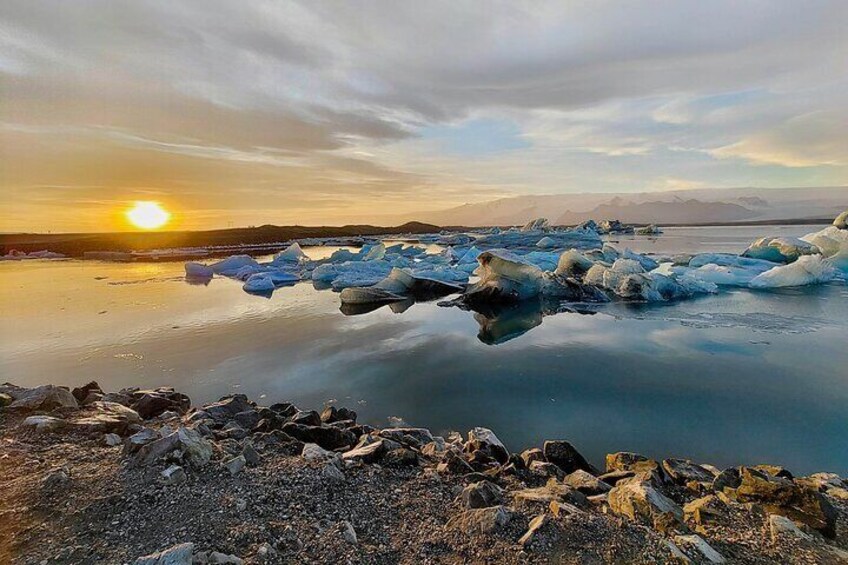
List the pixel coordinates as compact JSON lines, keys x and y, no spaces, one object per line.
{"x":75,"y":244}
{"x":700,"y":206}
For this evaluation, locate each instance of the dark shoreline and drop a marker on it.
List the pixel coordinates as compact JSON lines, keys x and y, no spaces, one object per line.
{"x":96,"y":477}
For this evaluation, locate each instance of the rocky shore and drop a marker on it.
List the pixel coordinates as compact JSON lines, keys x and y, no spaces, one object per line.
{"x":141,"y":476}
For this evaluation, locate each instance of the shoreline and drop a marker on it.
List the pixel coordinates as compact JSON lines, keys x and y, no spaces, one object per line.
{"x":92,"y":476}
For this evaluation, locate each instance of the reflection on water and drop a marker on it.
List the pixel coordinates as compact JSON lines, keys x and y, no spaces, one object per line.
{"x":739,"y":377}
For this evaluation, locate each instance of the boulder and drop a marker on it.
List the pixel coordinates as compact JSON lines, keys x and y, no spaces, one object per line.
{"x":480,"y":520}
{"x":42,"y":424}
{"x":453,"y":463}
{"x":327,"y":437}
{"x":485,"y":440}
{"x":112,"y":440}
{"x":562,"y":454}
{"x":482,"y":494}
{"x":193,"y":448}
{"x":173,"y":475}
{"x":226,"y":408}
{"x":307,"y":418}
{"x":782,"y":496}
{"x":642,"y":502}
{"x":332,"y":414}
{"x":623,"y":461}
{"x":546,"y":470}
{"x":177,"y":555}
{"x":553,"y":491}
{"x":152,"y":403}
{"x":400,"y":457}
{"x":781,"y":525}
{"x":43,"y":398}
{"x":681,"y":471}
{"x":314,"y":452}
{"x":586,"y":483}
{"x":530,"y":455}
{"x":729,"y":478}
{"x":413,"y":437}
{"x":703,"y":510}
{"x":5,"y":399}
{"x":236,"y":465}
{"x":106,"y":417}
{"x":81,"y":394}
{"x":367,"y":452}
{"x":698,"y":544}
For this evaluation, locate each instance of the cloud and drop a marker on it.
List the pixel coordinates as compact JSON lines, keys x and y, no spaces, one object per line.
{"x":357,"y":110}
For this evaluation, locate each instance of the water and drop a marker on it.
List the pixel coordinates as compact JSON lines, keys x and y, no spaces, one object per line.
{"x":741,"y":377}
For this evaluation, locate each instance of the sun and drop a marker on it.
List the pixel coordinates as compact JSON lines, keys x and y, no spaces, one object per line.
{"x":148,"y":215}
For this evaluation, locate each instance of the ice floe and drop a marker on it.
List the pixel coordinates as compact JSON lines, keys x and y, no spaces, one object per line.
{"x":809,"y":269}
{"x":780,"y":249}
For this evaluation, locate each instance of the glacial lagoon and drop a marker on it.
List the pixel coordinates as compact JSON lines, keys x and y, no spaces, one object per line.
{"x":738,"y":377}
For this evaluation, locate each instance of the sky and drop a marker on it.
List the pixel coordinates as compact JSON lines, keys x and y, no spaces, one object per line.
{"x":285,"y":112}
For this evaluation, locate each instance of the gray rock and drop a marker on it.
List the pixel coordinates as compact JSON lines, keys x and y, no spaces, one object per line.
{"x":367,"y":452}
{"x":46,"y":398}
{"x":533,"y":454}
{"x":140,"y":439}
{"x":251,"y":456}
{"x":173,"y":475}
{"x":43,"y":424}
{"x":586,"y":483}
{"x":314,"y":452}
{"x":682,"y":471}
{"x":729,"y":478}
{"x":348,"y":533}
{"x":307,"y":418}
{"x":226,"y":408}
{"x":484,"y":439}
{"x":482,"y":494}
{"x":545,"y":469}
{"x":247,"y":419}
{"x":641,"y":501}
{"x":332,"y":474}
{"x":218,"y":558}
{"x":414,"y":437}
{"x":332,"y":414}
{"x":176,"y":555}
{"x":697,"y":543}
{"x":195,"y":450}
{"x":781,"y":525}
{"x":236,"y":465}
{"x":112,"y":440}
{"x":623,"y":461}
{"x":480,"y":520}
{"x":57,"y":479}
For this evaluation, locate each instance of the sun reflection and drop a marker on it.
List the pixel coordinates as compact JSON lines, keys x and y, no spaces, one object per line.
{"x":148,"y":215}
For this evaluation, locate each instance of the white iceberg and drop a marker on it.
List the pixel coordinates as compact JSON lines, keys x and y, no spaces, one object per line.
{"x":469,"y":256}
{"x":546,"y":242}
{"x":397,"y":286}
{"x":807,"y":270}
{"x":232,"y":264}
{"x":198,"y":270}
{"x":291,"y":254}
{"x":572,"y":263}
{"x":830,"y":241}
{"x":841,"y":221}
{"x":538,"y":224}
{"x":351,"y":273}
{"x":730,"y":260}
{"x":780,"y":249}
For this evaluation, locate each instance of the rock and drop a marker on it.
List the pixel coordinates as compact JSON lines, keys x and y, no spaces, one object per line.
{"x":5,"y":399}
{"x":177,"y":555}
{"x":45,"y":398}
{"x":152,"y":403}
{"x":218,"y":558}
{"x":413,"y":437}
{"x":781,"y":496}
{"x":367,"y":452}
{"x":81,"y":394}
{"x":401,"y":457}
{"x":781,"y":525}
{"x":623,"y":460}
{"x":56,"y":480}
{"x":584,"y":482}
{"x":682,"y":471}
{"x":140,"y":439}
{"x":332,"y":474}
{"x":226,"y":408}
{"x":553,"y":491}
{"x":332,"y":414}
{"x":266,"y":552}
{"x":251,"y":456}
{"x":173,"y":475}
{"x":326,"y":436}
{"x":484,"y":439}
{"x":536,"y":524}
{"x":112,"y":440}
{"x":106,"y":417}
{"x":703,"y":510}
{"x":566,"y":457}
{"x":194,"y":449}
{"x":42,"y":424}
{"x":348,"y":533}
{"x":233,"y":430}
{"x":546,"y":470}
{"x":482,"y":494}
{"x":697,"y":542}
{"x":641,"y":502}
{"x":453,"y":464}
{"x":774,"y":471}
{"x":314,"y":452}
{"x":530,"y":455}
{"x":307,"y":418}
{"x":613,"y":477}
{"x":480,"y":520}
{"x":235,"y":465}
{"x":729,"y":478}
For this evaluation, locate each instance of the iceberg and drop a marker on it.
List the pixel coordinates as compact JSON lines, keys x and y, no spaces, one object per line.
{"x":628,"y":279}
{"x":730,"y":260}
{"x":538,"y":224}
{"x":397,"y":286}
{"x":779,"y":249}
{"x":291,"y":254}
{"x":830,"y":241}
{"x":232,"y":264}
{"x":647,"y":263}
{"x":198,"y":270}
{"x":649,"y":230}
{"x":351,"y":273}
{"x":546,"y":242}
{"x":572,"y":263}
{"x":469,"y":256}
{"x":841,"y":221}
{"x":259,"y":283}
{"x":807,"y":270}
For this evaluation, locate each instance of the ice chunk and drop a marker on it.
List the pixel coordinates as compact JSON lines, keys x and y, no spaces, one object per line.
{"x":647,"y":263}
{"x":397,"y":286}
{"x":545,"y":260}
{"x":573,"y":264}
{"x":546,"y":242}
{"x":198,"y":270}
{"x":627,"y":266}
{"x":808,"y":269}
{"x":373,"y":252}
{"x":259,"y":282}
{"x":535,"y":225}
{"x":291,"y":254}
{"x":829,"y":241}
{"x":725,"y":275}
{"x":841,"y":221}
{"x":624,"y":280}
{"x":780,"y":249}
{"x":351,"y":273}
{"x":232,"y":264}
{"x":470,"y":256}
{"x":649,"y":230}
{"x":730,"y":260}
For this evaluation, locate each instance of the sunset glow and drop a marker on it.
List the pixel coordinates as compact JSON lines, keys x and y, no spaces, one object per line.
{"x":148,"y":215}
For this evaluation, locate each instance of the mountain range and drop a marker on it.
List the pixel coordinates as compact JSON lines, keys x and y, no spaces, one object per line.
{"x":697,"y":206}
